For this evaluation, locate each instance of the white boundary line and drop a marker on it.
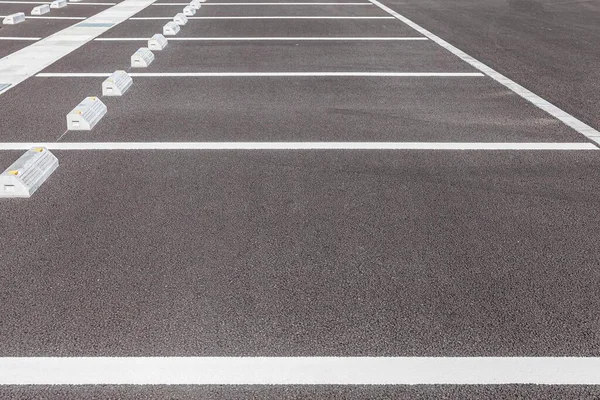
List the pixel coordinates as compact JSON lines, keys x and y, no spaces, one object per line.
{"x":32,"y":39}
{"x":533,"y":98}
{"x":261,"y":74}
{"x":43,"y":17}
{"x":297,"y":146}
{"x":233,"y":39}
{"x":299,"y":370}
{"x":48,"y":2}
{"x":268,"y":4}
{"x":269,"y":17}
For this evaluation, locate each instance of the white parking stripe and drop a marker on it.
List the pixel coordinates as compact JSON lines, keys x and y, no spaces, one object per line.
{"x":48,"y":2}
{"x":33,"y":39}
{"x":233,"y":39}
{"x":299,"y":370}
{"x":44,"y":17}
{"x":539,"y":102}
{"x":298,"y":146}
{"x":267,"y":4}
{"x":269,"y":17}
{"x":262,"y":74}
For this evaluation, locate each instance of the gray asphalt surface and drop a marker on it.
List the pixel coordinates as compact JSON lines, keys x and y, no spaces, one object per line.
{"x":306,"y":392}
{"x":305,"y":253}
{"x":284,"y":109}
{"x":311,"y":253}
{"x":12,"y":46}
{"x":551,"y":47}
{"x":262,"y":11}
{"x":281,"y":56}
{"x":262,"y":28}
{"x":35,"y":28}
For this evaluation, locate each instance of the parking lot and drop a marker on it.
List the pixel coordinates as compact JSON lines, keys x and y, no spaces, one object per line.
{"x":292,"y":180}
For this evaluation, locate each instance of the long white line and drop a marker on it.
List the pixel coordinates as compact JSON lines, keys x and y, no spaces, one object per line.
{"x":268,"y":17}
{"x":48,"y":2}
{"x":33,"y":39}
{"x":27,"y":62}
{"x":261,"y":74}
{"x":268,"y":4}
{"x":44,"y":17}
{"x":233,"y":39}
{"x":533,"y":98}
{"x":299,"y":370}
{"x":298,"y":146}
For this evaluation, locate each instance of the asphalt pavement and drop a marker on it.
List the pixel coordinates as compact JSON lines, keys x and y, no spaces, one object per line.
{"x":307,"y":253}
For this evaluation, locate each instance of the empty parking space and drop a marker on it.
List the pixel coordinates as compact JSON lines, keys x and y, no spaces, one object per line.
{"x":296,"y":11}
{"x":46,"y":118}
{"x":275,"y":28}
{"x":282,"y":56}
{"x":305,"y":254}
{"x":299,"y":109}
{"x":430,"y":109}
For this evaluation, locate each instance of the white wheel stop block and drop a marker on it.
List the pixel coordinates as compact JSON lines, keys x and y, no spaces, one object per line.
{"x":171,"y":29}
{"x":41,"y":10}
{"x":86,"y":115}
{"x":58,"y":4}
{"x":180,"y":19}
{"x":189,"y":11}
{"x":116,"y":84}
{"x":142,"y":58}
{"x":195,"y":4}
{"x":14,"y":19}
{"x":28,"y":173}
{"x":157,"y":42}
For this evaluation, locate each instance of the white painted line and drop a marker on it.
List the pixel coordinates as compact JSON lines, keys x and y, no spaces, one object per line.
{"x":48,"y":2}
{"x":269,"y":17}
{"x":25,"y":63}
{"x":267,"y":4}
{"x":33,"y":39}
{"x":261,"y":74}
{"x":294,"y":39}
{"x":297,"y":146}
{"x":299,"y":370}
{"x":47,"y":17}
{"x":533,"y":98}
